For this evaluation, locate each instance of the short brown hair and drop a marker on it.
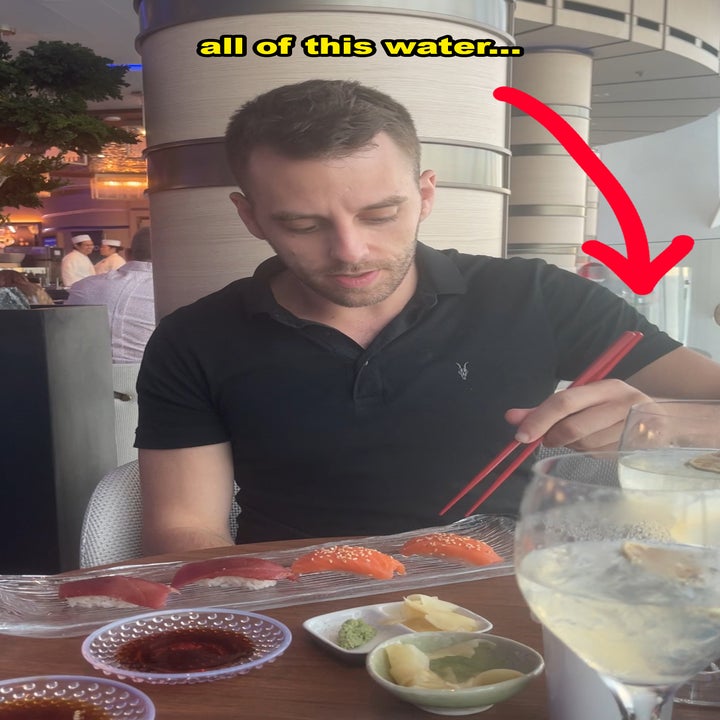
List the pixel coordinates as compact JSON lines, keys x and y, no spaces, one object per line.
{"x":318,"y":119}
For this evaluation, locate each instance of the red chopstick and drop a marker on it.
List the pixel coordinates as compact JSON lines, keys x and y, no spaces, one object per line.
{"x":596,"y":371}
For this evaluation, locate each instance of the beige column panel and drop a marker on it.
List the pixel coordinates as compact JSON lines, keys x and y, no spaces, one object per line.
{"x":591,"y":211}
{"x":199,"y":243}
{"x":548,"y":188}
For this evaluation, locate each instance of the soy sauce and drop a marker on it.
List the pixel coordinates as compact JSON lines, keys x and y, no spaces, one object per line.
{"x":51,"y":709}
{"x":185,"y":650}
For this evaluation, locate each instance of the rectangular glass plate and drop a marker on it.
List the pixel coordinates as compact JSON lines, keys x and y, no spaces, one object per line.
{"x":30,"y":606}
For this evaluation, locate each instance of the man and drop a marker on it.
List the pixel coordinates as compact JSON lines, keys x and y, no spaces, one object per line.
{"x":111,"y":257}
{"x":129,"y":297}
{"x":359,"y":379}
{"x":76,"y":265}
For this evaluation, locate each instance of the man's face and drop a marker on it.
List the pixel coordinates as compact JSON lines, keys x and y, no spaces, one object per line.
{"x":85,"y":247}
{"x":106,"y":250}
{"x":344,"y":227}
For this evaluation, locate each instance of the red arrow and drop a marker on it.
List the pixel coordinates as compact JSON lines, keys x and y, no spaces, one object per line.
{"x":636,"y":270}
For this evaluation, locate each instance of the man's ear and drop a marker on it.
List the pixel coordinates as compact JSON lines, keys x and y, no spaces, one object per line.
{"x":427,"y":193}
{"x":247,"y":214}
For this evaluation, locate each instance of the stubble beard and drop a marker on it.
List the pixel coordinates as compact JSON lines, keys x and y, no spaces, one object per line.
{"x":393,"y":272}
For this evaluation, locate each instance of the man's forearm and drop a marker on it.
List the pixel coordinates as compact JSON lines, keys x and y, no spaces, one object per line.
{"x":180,"y":539}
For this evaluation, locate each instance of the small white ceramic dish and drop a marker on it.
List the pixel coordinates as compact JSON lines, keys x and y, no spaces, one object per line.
{"x":493,"y":652}
{"x":324,"y":628}
{"x":115,"y":699}
{"x":261,"y":640}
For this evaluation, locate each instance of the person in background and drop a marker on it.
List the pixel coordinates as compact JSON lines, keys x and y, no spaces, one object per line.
{"x":76,"y":264}
{"x":34,"y":294}
{"x":111,"y":257}
{"x":360,"y":378}
{"x":128,"y":294}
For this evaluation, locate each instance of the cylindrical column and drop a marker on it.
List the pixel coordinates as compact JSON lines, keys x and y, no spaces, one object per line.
{"x":548,"y":188}
{"x":199,"y":243}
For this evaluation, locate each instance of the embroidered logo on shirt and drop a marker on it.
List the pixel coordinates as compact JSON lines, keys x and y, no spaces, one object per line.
{"x":463,"y":370}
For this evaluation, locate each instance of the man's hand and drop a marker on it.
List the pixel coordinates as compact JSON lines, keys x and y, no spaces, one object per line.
{"x":590,"y":417}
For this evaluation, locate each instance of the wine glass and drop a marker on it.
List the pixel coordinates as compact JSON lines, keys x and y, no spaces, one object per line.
{"x":669,"y":432}
{"x":600,"y":566}
{"x":682,"y":436}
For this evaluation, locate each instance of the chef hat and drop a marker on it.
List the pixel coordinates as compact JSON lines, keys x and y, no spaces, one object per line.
{"x":114,"y":243}
{"x":82,"y":238}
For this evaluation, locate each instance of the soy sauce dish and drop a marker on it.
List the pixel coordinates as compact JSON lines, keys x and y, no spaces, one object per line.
{"x":186,"y":646}
{"x":70,"y":696}
{"x":489,"y":655}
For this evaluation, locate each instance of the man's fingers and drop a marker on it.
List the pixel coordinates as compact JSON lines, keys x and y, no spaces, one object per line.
{"x":570,"y":415}
{"x":604,"y":439}
{"x":516,"y":415}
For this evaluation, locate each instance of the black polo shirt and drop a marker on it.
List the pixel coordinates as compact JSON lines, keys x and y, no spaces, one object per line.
{"x":329,"y":438}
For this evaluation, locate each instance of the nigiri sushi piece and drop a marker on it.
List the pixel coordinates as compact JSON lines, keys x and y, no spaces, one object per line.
{"x":349,"y":559}
{"x":252,"y":573}
{"x":455,"y":547}
{"x":114,"y":591}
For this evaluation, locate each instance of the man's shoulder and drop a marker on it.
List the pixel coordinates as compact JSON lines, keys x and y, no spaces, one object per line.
{"x":528,"y":280}
{"x":132,"y":268}
{"x":483,"y":267}
{"x":229,"y":300}
{"x":91,"y":283}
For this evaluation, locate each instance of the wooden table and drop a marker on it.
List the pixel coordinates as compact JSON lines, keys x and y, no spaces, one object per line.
{"x":307,"y":682}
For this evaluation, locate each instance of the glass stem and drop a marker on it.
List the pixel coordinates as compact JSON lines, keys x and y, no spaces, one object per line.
{"x":642,"y":702}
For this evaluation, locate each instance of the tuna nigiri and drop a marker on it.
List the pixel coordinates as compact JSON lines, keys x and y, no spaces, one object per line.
{"x":114,"y":591}
{"x":455,"y":547}
{"x":351,"y":559}
{"x":253,"y":573}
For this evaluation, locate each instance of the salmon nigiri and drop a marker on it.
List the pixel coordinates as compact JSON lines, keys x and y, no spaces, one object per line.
{"x":247,"y":572}
{"x":114,"y":591}
{"x":455,"y":547}
{"x":351,"y":559}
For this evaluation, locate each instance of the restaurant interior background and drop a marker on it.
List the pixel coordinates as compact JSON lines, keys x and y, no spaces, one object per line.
{"x":638,"y":79}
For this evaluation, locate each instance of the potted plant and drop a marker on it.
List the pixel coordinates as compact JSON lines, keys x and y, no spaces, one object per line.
{"x":44,"y":116}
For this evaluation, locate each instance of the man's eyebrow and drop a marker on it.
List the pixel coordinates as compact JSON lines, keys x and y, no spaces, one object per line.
{"x":287,"y":216}
{"x":284,"y":216}
{"x":387,"y":202}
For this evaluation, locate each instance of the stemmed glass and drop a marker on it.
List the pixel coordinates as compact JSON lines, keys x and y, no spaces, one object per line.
{"x":605,"y":568}
{"x":669,"y":433}
{"x":682,"y":436}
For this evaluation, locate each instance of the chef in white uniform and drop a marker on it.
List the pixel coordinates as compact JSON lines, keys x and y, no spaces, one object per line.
{"x":76,"y":264}
{"x":111,"y":257}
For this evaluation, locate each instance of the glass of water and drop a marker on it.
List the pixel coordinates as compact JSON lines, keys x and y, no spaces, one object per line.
{"x":607,"y":570}
{"x":670,"y":442}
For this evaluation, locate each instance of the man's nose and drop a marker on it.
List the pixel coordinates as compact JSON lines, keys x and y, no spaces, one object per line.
{"x":348,"y":244}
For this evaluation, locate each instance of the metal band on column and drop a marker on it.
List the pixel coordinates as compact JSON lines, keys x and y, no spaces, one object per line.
{"x":202,"y":163}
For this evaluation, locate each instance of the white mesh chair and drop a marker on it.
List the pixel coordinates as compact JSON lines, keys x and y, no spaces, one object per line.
{"x":543,"y":452}
{"x":112,"y":525}
{"x":606,"y":469}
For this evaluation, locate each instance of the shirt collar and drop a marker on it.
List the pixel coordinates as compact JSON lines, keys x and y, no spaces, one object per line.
{"x":259,"y":298}
{"x":437,"y":275}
